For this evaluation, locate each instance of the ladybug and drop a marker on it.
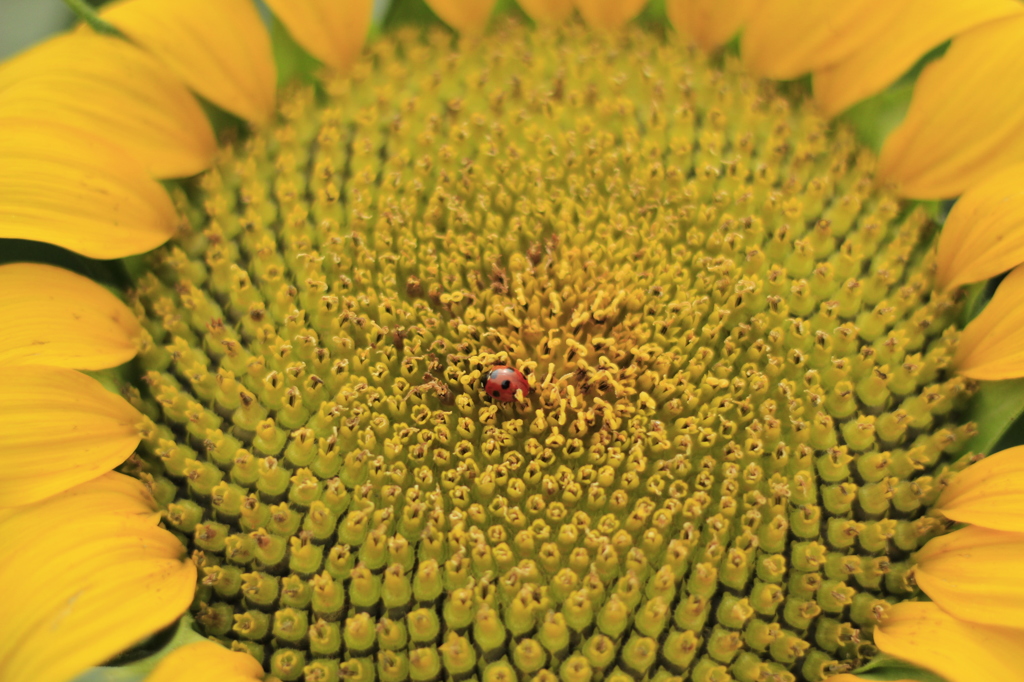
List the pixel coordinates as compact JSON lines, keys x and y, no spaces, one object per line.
{"x":502,"y":382}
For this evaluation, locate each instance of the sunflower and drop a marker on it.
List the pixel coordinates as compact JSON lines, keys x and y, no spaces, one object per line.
{"x":759,"y":368}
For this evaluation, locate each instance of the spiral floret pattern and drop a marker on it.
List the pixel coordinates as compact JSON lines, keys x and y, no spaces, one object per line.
{"x":741,"y":406}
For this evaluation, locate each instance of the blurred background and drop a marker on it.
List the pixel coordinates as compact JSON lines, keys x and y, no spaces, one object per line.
{"x":24,"y":22}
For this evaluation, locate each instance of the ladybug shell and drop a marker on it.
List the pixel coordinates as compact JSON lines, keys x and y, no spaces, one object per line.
{"x":501,"y":383}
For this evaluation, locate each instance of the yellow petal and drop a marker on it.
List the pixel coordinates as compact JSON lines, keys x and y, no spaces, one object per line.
{"x":966,"y":117}
{"x":847,"y":677}
{"x":334,"y":32}
{"x":67,"y":188}
{"x":709,"y":23}
{"x":921,"y":633}
{"x":784,"y":39}
{"x":975,"y":574}
{"x":547,"y":11}
{"x":468,"y":17}
{"x":59,"y":428}
{"x":55,"y":317}
{"x":109,"y":496}
{"x":989,"y":493}
{"x":86,"y":580}
{"x":918,"y":26}
{"x":220,"y":49}
{"x":609,"y":15}
{"x":119,"y":93}
{"x":207,"y":662}
{"x":991,"y":347}
{"x":984,"y":233}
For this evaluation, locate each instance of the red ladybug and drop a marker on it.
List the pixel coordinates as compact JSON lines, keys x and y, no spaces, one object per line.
{"x":502,"y":382}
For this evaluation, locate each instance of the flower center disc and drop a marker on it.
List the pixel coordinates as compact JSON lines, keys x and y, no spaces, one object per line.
{"x":740,"y":405}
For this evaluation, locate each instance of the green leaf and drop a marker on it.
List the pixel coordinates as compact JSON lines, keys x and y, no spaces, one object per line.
{"x":508,"y":7}
{"x":109,"y":674}
{"x":978,"y":296}
{"x":874,"y":118}
{"x":886,"y":668}
{"x":293,"y":62}
{"x":654,"y":13}
{"x":404,"y":12}
{"x":879,"y":661}
{"x":995,"y":408}
{"x":88,"y":14}
{"x":899,"y":671}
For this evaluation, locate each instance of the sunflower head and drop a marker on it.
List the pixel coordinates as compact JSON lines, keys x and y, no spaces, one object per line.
{"x":739,"y":402}
{"x":737,"y":429}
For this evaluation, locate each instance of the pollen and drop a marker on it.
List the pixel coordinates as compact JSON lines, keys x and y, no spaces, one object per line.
{"x":740,"y":404}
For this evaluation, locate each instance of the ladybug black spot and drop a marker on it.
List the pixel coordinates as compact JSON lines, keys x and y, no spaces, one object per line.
{"x":496,"y":394}
{"x":506,"y":383}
